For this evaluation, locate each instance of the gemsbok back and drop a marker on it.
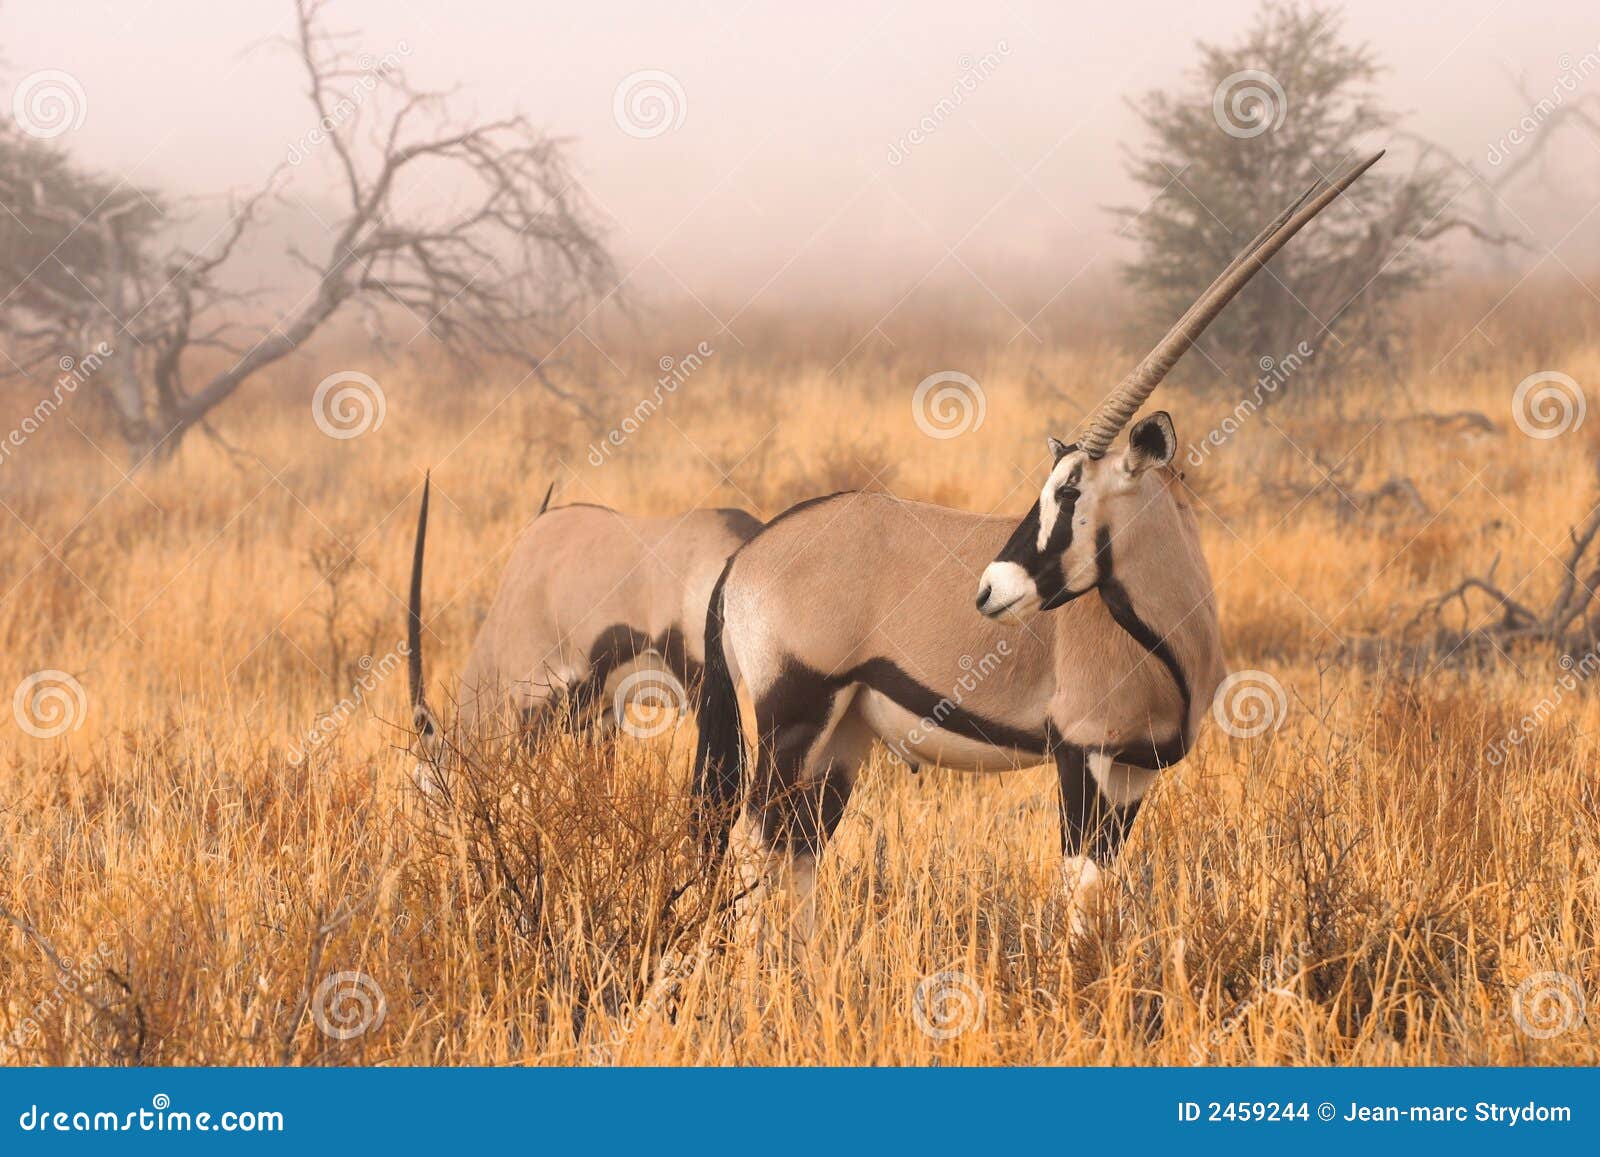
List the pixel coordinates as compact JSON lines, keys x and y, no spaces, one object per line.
{"x":597,"y":612}
{"x":850,"y":619}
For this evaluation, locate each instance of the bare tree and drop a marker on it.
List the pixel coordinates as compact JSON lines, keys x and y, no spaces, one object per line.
{"x":1261,"y":119}
{"x":1525,"y":149}
{"x":500,"y":274}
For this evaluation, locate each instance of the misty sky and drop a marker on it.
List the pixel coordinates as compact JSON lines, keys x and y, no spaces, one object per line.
{"x":779,"y":177}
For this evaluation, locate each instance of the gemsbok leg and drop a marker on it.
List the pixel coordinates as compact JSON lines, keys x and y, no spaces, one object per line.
{"x":811,"y":743}
{"x":1099,"y":801}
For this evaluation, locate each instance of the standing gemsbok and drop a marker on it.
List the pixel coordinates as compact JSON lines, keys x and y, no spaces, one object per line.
{"x":597,"y":612}
{"x":850,"y":618}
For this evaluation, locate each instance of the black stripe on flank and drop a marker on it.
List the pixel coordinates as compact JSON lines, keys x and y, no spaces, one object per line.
{"x":1120,"y":604}
{"x":802,"y":694}
{"x":889,"y":679}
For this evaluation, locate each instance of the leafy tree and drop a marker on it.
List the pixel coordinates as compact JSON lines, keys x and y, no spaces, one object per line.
{"x":1257,"y":122}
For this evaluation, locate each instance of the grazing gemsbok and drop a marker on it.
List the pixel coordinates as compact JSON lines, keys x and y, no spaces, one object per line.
{"x":590,"y":598}
{"x":850,"y":618}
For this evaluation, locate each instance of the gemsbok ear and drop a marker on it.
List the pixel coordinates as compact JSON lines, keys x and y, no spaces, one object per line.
{"x":1152,"y":442}
{"x":1058,"y":448}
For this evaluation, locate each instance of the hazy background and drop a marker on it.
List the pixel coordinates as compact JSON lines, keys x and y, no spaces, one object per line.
{"x":1395,"y":817}
{"x":778,"y":183}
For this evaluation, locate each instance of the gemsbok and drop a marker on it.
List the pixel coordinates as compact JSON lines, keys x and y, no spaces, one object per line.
{"x":597,"y":612}
{"x":850,"y":619}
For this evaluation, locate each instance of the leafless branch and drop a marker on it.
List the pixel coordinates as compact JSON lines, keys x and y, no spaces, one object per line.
{"x":503,"y":271}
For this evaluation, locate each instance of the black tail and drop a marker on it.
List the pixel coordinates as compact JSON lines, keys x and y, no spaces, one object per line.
{"x":545,"y":505}
{"x":719,"y":759}
{"x":421,"y":716}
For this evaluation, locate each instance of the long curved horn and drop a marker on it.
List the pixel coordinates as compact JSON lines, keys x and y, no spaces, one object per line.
{"x":1113,"y":414}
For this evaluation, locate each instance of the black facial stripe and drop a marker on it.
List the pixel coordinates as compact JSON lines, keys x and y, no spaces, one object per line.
{"x":1043,"y":566}
{"x":1120,"y":604}
{"x":1022,"y":546}
{"x":1061,"y":532}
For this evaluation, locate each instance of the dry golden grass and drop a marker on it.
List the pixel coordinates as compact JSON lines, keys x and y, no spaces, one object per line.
{"x":1359,"y":886}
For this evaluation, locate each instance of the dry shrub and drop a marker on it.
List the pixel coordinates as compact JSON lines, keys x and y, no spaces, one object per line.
{"x":1362,"y":884}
